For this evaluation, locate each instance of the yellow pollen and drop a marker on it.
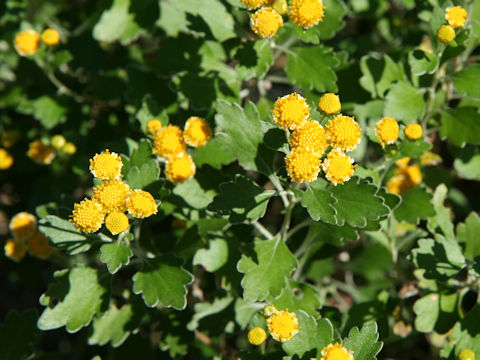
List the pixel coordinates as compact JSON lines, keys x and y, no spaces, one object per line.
{"x":15,"y":249}
{"x":329,"y":104}
{"x":27,"y":42}
{"x":141,"y":204}
{"x":283,"y":325}
{"x":6,"y":160}
{"x":446,"y":33}
{"x":41,"y":153}
{"x":87,"y":216}
{"x":336,"y":352}
{"x":387,"y":130}
{"x":291,"y":111}
{"x":197,"y":132}
{"x":38,"y":246}
{"x":466,"y":354}
{"x":456,"y":16}
{"x":306,"y":13}
{"x":413,"y":131}
{"x":338,"y":167}
{"x":253,"y":4}
{"x":303,"y":165}
{"x":116,"y":222}
{"x":180,"y":168}
{"x":50,"y":37}
{"x":266,"y":22}
{"x":23,"y":225}
{"x":154,"y":126}
{"x":257,"y":336}
{"x":112,"y":195}
{"x":311,"y":137}
{"x":169,"y":141}
{"x":106,"y":166}
{"x":343,"y":132}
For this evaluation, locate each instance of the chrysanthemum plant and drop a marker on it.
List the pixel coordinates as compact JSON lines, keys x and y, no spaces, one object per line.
{"x":240,"y":179}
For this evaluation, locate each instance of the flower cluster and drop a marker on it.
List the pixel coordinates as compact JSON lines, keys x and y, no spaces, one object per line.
{"x":170,"y":144}
{"x":112,"y":198}
{"x":387,"y":131}
{"x":309,"y":140}
{"x":27,"y":42}
{"x":456,"y":16}
{"x":406,"y":177}
{"x":336,"y":351}
{"x":23,"y":227}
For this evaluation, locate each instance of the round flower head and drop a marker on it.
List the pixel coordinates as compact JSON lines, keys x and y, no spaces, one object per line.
{"x":414,"y":174}
{"x":197,"y":132}
{"x":311,"y":137}
{"x":387,"y":130}
{"x":141,"y":204}
{"x":38,"y":246}
{"x":338,"y":167}
{"x":23,"y":225}
{"x":430,"y":159}
{"x":112,"y":195}
{"x":116,"y":222}
{"x":269,"y":310}
{"x":69,"y":148}
{"x":291,"y":111}
{"x":154,"y":126}
{"x":306,"y":13}
{"x":283,"y":325}
{"x":413,"y":131}
{"x":15,"y":249}
{"x":466,"y":354}
{"x":106,"y":166}
{"x":403,"y":162}
{"x":87,"y":216}
{"x":456,"y":16}
{"x":6,"y":160}
{"x":399,"y":184}
{"x":169,"y":141}
{"x":50,"y":37}
{"x":58,"y":141}
{"x":180,"y":168}
{"x":303,"y":165}
{"x":329,"y":104}
{"x":446,"y":33}
{"x":336,"y":352}
{"x":257,"y":336}
{"x":252,"y":4}
{"x":27,"y":42}
{"x":41,"y":153}
{"x":343,"y":132}
{"x":266,"y":22}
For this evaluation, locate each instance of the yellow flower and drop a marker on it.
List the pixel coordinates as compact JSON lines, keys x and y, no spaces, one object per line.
{"x":69,"y":148}
{"x":406,"y":177}
{"x":403,"y":162}
{"x":197,"y":132}
{"x":329,"y":104}
{"x":88,"y":216}
{"x":413,"y":131}
{"x":257,"y":336}
{"x":58,"y":141}
{"x":303,"y":165}
{"x":269,"y":310}
{"x":446,"y":33}
{"x":338,"y":167}
{"x":387,"y":130}
{"x":456,"y":16}
{"x":399,"y":184}
{"x":154,"y":126}
{"x":180,"y":168}
{"x":283,"y":325}
{"x":413,"y":173}
{"x":343,"y":132}
{"x":38,"y":246}
{"x":253,"y":4}
{"x":169,"y":141}
{"x":116,"y":222}
{"x":41,"y":153}
{"x":106,"y":166}
{"x":430,"y":159}
{"x":336,"y":352}
{"x":6,"y":160}
{"x":112,"y":195}
{"x":23,"y":225}
{"x":306,"y":13}
{"x":15,"y":249}
{"x":291,"y":111}
{"x":50,"y":37}
{"x":141,"y":204}
{"x":311,"y":137}
{"x":266,"y":22}
{"x":466,"y":354}
{"x":27,"y":42}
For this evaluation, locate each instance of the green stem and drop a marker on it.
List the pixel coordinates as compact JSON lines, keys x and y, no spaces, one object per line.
{"x":281,"y":191}
{"x":262,"y":230}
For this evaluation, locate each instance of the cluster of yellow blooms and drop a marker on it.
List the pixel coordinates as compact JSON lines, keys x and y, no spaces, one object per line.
{"x":23,"y":227}
{"x":309,"y":140}
{"x":387,"y":131}
{"x":27,"y":42}
{"x":456,"y":16}
{"x":406,"y":177}
{"x":170,"y":143}
{"x":44,"y":154}
{"x":111,"y":199}
{"x":266,"y":21}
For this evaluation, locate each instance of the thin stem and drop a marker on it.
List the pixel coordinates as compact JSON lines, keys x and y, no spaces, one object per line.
{"x":281,"y":191}
{"x":263,"y":230}
{"x":298,"y":227}
{"x":286,"y":221}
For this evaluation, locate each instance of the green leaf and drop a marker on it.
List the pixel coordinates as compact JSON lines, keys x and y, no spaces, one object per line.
{"x":364,"y":343}
{"x":17,"y":334}
{"x":466,"y":333}
{"x":206,"y":309}
{"x":266,"y":269}
{"x":219,"y":21}
{"x":73,"y":298}
{"x":467,"y":233}
{"x":319,"y":202}
{"x":49,"y":112}
{"x":212,"y":154}
{"x":436,"y":312}
{"x":379,"y":74}
{"x":312,"y":67}
{"x":416,"y":204}
{"x":172,"y":20}
{"x":467,"y":164}
{"x":298,"y":296}
{"x":313,"y":336}
{"x":254,"y":59}
{"x":193,"y":194}
{"x":413,"y":149}
{"x":162,"y":282}
{"x":461,"y":126}
{"x":466,"y":81}
{"x":441,"y":220}
{"x":139,"y":156}
{"x":214,"y":257}
{"x":115,"y":255}
{"x":422,"y":62}
{"x":139,"y":178}
{"x":150,"y":110}
{"x":241,"y":200}
{"x":405,"y":102}
{"x":331,"y":234}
